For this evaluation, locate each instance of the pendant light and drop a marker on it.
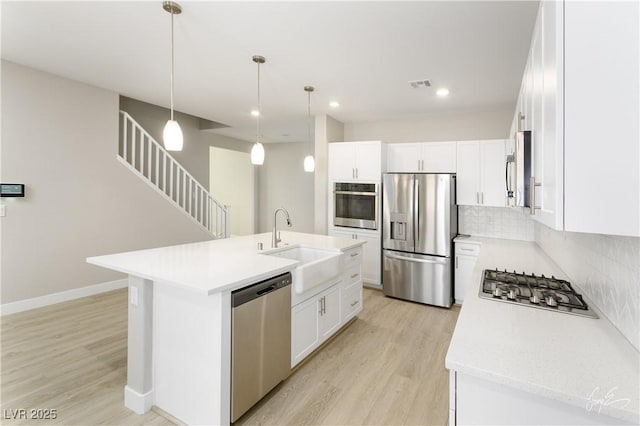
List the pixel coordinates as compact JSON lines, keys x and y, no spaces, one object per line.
{"x":172,"y":134}
{"x":309,"y":161}
{"x":257,"y":151}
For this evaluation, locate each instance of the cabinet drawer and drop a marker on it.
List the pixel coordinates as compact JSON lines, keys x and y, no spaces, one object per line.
{"x":352,"y":257}
{"x":351,"y":301}
{"x":468,"y":249}
{"x":352,"y":275}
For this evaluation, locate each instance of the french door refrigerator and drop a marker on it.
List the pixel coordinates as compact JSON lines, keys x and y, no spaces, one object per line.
{"x":420,"y":220}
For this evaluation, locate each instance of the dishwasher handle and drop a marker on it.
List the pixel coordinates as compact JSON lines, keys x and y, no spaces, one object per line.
{"x":260,"y":289}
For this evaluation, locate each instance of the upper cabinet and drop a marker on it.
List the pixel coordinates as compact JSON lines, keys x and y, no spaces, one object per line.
{"x":427,"y":157}
{"x":481,"y":173}
{"x":355,"y":161}
{"x":579,"y":97}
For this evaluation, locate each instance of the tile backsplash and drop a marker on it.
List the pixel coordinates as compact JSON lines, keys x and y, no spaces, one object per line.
{"x":495,"y":222}
{"x":605,"y":267}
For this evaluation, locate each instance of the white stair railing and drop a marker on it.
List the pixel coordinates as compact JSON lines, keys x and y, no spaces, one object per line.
{"x":143,"y":155}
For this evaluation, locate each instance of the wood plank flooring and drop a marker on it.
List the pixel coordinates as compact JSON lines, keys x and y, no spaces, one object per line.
{"x":387,"y":367}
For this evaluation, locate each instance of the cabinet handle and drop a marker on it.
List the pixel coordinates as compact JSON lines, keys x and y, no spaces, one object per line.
{"x":532,"y":195}
{"x":482,"y":198}
{"x":466,"y":249}
{"x":356,"y":173}
{"x":419,"y":167}
{"x":354,"y":254}
{"x":320,"y":307}
{"x":354,"y":303}
{"x":354,"y":275}
{"x":477,"y":198}
{"x":324,"y":305}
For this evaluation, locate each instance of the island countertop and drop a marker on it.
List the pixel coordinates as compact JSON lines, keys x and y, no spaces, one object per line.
{"x":213,"y":266}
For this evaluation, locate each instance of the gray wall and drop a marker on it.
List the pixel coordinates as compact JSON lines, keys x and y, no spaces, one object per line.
{"x":59,"y":137}
{"x":284,"y":183}
{"x":195,"y":154}
{"x":450,"y":126}
{"x":327,"y":129}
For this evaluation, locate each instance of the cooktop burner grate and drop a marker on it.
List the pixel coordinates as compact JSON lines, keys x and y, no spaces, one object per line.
{"x":534,"y":291}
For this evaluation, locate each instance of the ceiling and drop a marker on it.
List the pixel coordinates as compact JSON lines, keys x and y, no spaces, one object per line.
{"x":361,"y":54}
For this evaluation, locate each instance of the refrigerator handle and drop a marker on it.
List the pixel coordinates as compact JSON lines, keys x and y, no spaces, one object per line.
{"x":414,"y":259}
{"x":416,"y":208}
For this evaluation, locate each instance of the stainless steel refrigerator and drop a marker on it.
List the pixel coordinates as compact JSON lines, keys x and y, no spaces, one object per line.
{"x":420,"y":220}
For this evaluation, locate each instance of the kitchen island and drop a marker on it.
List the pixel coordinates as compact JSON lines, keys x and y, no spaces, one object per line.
{"x":179,"y":324}
{"x":513,"y":364}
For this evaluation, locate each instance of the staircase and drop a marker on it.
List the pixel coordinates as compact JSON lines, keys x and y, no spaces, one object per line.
{"x":145,"y":157}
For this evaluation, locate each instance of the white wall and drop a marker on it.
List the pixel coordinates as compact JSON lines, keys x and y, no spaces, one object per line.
{"x":232,"y":180}
{"x":327,"y":129}
{"x":607,"y":270}
{"x":60,"y":138}
{"x":284,"y":183}
{"x":449,"y":126}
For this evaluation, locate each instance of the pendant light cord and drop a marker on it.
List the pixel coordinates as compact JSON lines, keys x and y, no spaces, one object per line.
{"x":309,"y":116}
{"x":259,"y":108}
{"x":172,"y":65}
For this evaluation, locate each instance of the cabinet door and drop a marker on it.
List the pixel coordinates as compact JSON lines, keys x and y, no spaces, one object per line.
{"x":304,"y":330}
{"x":438,"y":157}
{"x":493,"y":191}
{"x":403,"y":157}
{"x":368,"y":159}
{"x":371,"y":253}
{"x":468,"y":172}
{"x":329,"y":319}
{"x":464,"y":267}
{"x":342,"y":161}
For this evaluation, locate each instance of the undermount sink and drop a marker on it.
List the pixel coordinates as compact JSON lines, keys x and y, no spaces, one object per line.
{"x":317,"y":266}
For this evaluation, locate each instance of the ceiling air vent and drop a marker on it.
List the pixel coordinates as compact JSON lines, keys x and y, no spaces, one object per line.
{"x":420,"y":84}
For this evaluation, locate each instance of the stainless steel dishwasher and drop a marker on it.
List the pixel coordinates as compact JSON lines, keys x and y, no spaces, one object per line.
{"x":260,"y":341}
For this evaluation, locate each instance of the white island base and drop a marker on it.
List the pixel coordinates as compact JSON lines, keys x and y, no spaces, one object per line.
{"x":179,"y":325}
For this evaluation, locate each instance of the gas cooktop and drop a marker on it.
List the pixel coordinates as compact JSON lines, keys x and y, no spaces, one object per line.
{"x":535,"y":291}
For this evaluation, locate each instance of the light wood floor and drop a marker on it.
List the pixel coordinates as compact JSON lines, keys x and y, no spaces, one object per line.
{"x":387,"y":367}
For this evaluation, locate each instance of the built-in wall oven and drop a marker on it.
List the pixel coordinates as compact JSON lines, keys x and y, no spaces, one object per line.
{"x":355,"y":205}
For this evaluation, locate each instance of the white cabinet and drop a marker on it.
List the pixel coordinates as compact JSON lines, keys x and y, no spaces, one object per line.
{"x":428,"y":157}
{"x":481,"y":173}
{"x":355,"y":161}
{"x":371,"y":252}
{"x":466,"y":257}
{"x":585,"y":135}
{"x":313,"y":321}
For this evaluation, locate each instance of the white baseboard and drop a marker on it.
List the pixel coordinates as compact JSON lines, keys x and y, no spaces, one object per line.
{"x":64,"y":296}
{"x":137,"y":402}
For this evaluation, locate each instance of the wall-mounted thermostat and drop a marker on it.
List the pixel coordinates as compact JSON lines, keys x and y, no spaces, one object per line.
{"x":11,"y":190}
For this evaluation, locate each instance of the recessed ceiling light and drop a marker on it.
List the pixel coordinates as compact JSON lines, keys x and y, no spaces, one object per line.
{"x":334,"y":104}
{"x":442,"y":92}
{"x":255,"y":113}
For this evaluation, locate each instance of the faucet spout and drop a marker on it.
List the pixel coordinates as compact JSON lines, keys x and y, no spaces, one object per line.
{"x":274,"y":237}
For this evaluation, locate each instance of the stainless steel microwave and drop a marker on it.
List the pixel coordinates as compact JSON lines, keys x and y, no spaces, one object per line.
{"x":355,"y":205}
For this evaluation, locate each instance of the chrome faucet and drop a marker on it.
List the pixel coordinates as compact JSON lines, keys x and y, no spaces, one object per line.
{"x":275,"y":238}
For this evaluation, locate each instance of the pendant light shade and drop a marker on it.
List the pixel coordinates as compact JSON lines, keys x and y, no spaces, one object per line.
{"x":257,"y":151}
{"x":172,"y":134}
{"x":257,"y":154}
{"x":309,"y":161}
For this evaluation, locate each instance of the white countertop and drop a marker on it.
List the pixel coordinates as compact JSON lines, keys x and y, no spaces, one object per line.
{"x":218,"y":265}
{"x":569,"y":358}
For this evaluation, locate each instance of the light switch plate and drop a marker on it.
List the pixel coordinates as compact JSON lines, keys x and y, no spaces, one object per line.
{"x":3,"y":210}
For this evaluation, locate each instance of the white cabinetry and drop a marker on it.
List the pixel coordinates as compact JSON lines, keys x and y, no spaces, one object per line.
{"x":355,"y":161}
{"x":585,"y":135}
{"x":466,"y":257}
{"x":322,"y":314}
{"x":428,"y":157}
{"x":371,"y":252}
{"x":481,"y":173}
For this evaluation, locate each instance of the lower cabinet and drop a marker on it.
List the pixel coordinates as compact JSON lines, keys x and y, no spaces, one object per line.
{"x":465,"y":261}
{"x":371,"y":252}
{"x":317,"y":318}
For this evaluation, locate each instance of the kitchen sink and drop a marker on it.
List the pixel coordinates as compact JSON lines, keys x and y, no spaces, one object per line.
{"x":316,"y":267}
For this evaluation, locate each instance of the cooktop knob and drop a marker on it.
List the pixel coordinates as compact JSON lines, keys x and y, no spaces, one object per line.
{"x":512,"y":294}
{"x":551,"y":301}
{"x":534,"y":299}
{"x":497,"y":292}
